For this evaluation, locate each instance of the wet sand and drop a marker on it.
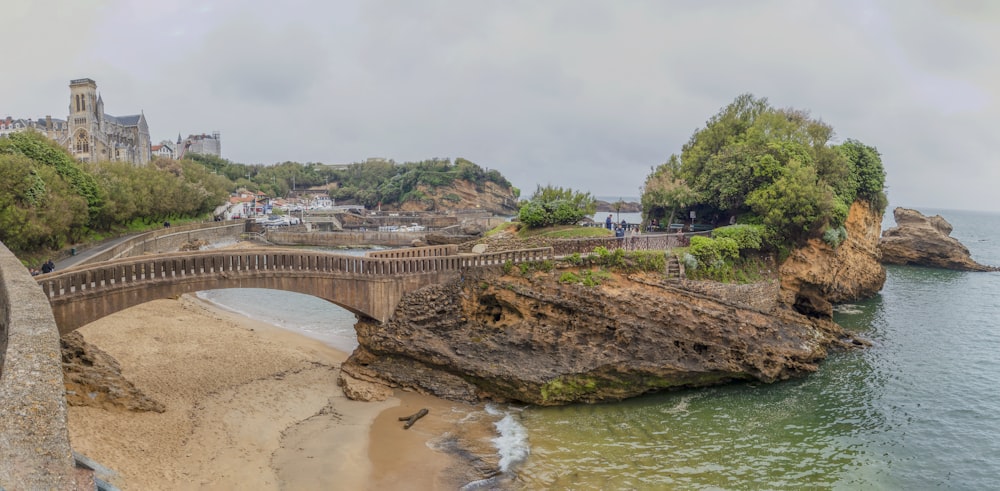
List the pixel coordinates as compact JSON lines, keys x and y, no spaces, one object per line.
{"x":251,"y":406}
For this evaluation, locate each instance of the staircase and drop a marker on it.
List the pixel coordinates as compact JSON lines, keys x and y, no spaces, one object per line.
{"x":674,"y":268}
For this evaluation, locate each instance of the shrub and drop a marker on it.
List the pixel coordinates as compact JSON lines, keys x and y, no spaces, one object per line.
{"x":834,"y":236}
{"x":690,"y":262}
{"x":712,"y":251}
{"x":747,"y":237}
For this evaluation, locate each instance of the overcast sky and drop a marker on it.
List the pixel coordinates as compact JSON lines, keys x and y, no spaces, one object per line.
{"x":574,"y":93}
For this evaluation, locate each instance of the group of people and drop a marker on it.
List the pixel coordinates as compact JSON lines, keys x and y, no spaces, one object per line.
{"x":47,"y":267}
{"x":620,"y":228}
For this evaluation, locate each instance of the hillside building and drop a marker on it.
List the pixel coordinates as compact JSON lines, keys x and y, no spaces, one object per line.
{"x":203,"y":144}
{"x":88,"y":132}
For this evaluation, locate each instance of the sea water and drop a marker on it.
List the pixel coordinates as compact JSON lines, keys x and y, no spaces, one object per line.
{"x":919,"y":409}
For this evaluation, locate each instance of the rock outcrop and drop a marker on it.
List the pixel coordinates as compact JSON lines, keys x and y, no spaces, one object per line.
{"x":94,"y":378}
{"x":816,"y":275}
{"x":534,"y":339}
{"x":464,"y":195}
{"x":925,"y":241}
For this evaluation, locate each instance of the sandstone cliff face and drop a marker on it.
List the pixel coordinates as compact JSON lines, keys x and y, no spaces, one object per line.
{"x":815,"y":275}
{"x":94,"y":378}
{"x":536,"y":340}
{"x":463,"y":195}
{"x":925,"y":241}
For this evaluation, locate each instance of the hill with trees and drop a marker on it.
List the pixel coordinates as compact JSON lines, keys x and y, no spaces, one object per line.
{"x":48,"y":200}
{"x":776,"y":168}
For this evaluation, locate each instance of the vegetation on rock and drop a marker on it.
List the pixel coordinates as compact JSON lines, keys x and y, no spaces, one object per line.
{"x":775,"y":167}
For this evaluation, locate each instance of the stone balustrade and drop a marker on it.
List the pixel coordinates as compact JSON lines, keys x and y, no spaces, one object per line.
{"x":426,"y":251}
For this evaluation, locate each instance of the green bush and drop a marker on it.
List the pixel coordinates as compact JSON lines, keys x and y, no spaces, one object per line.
{"x":555,"y":206}
{"x":533,"y":215}
{"x":569,"y":277}
{"x":690,"y":262}
{"x":710,"y":252}
{"x":747,"y":237}
{"x":834,"y":236}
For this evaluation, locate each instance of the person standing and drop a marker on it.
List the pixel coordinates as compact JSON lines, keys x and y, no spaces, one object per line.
{"x":48,"y":267}
{"x":608,"y":221}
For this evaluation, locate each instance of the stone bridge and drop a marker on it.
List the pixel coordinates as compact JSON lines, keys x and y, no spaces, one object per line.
{"x":369,"y":286}
{"x":35,"y":452}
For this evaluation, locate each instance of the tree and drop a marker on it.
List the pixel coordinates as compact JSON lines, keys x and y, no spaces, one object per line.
{"x":664,"y":192}
{"x":796,"y":205}
{"x":38,"y":208}
{"x":41,"y":149}
{"x":556,"y":206}
{"x":777,"y":164}
{"x":867,"y":172}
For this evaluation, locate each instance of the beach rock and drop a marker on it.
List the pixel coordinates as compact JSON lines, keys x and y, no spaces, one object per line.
{"x":361,"y":390}
{"x":925,"y":241}
{"x":93,"y":378}
{"x":534,"y":339}
{"x":850,"y":272}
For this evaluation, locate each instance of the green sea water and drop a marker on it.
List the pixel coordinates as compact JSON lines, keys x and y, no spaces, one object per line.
{"x":919,"y":409}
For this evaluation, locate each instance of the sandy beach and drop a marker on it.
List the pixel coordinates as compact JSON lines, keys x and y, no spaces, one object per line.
{"x":251,"y":406}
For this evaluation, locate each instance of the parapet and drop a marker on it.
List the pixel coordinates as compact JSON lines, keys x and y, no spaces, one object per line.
{"x":34,"y":441}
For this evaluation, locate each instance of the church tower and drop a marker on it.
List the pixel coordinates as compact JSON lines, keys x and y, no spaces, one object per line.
{"x":84,"y":118}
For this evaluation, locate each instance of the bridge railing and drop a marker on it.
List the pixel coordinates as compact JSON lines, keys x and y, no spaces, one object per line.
{"x":427,"y":251}
{"x":503,"y":257}
{"x":645,"y":242}
{"x":122,"y":272}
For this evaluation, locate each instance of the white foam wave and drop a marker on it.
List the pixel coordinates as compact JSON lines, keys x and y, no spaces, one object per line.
{"x":512,"y":441}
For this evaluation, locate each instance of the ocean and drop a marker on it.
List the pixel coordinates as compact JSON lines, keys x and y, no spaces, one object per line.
{"x":916,"y":410}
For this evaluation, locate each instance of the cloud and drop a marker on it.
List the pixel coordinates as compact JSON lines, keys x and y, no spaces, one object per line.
{"x":586,"y":94}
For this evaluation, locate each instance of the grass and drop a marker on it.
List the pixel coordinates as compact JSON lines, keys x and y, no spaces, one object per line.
{"x":564,"y":232}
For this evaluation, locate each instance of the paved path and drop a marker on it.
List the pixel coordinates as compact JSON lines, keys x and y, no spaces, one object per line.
{"x":90,"y":252}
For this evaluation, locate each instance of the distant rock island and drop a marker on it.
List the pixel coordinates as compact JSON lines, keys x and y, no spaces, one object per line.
{"x":925,"y":241}
{"x":626,"y":206}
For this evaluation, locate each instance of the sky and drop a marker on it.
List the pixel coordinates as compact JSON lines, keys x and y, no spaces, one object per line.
{"x":583,"y":94}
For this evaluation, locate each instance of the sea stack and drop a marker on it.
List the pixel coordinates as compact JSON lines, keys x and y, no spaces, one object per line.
{"x":925,"y":241}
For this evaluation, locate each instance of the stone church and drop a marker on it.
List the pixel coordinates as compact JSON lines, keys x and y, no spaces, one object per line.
{"x":91,"y":135}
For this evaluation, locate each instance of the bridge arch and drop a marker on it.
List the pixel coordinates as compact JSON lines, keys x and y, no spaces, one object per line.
{"x":369,"y":287}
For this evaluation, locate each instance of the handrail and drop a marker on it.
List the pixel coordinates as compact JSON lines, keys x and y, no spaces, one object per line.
{"x":114,"y":274}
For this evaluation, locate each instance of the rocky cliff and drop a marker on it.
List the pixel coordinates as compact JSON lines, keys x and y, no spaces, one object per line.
{"x":816,"y":275}
{"x":925,"y":241}
{"x":463,"y":195}
{"x":534,"y":339}
{"x":94,"y":378}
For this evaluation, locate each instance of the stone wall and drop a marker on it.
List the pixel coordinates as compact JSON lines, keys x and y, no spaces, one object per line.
{"x":761,"y":296}
{"x":170,"y":239}
{"x":345,"y":239}
{"x":34,"y":443}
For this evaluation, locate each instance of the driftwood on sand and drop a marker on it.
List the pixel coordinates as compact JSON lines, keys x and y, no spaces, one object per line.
{"x":413,"y":418}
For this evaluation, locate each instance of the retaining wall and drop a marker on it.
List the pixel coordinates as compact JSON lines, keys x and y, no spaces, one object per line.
{"x":170,"y":239}
{"x":344,"y":239}
{"x":34,"y":442}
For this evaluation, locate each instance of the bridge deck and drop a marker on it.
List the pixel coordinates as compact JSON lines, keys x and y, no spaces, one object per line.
{"x":167,"y":267}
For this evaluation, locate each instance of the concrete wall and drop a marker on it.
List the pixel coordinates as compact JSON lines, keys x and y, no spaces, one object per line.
{"x":34,"y":443}
{"x":345,"y":239}
{"x":170,"y":239}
